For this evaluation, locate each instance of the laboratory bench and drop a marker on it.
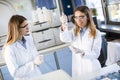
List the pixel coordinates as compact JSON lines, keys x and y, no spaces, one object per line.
{"x":112,"y":31}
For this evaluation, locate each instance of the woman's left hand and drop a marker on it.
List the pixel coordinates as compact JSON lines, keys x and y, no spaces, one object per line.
{"x":38,"y":60}
{"x":77,"y":51}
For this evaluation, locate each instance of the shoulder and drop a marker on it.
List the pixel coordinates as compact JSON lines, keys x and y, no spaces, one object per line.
{"x":9,"y":49}
{"x":98,"y":32}
{"x":11,"y":46}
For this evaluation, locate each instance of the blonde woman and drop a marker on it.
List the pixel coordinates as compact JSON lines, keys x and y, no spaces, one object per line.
{"x":20,"y":54}
{"x":85,"y":42}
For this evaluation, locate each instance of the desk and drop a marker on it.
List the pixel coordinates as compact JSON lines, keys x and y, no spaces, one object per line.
{"x":110,"y":28}
{"x":55,"y":75}
{"x":53,"y":49}
{"x":61,"y":75}
{"x":103,"y":71}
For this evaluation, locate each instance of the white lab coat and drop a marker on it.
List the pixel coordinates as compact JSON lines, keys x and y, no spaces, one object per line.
{"x":82,"y":65}
{"x":19,"y":60}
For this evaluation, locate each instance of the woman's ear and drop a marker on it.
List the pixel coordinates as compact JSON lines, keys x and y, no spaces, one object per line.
{"x":19,"y":31}
{"x":88,"y":19}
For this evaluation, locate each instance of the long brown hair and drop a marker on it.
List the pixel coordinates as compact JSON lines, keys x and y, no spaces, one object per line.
{"x":90,"y":23}
{"x":13,"y":28}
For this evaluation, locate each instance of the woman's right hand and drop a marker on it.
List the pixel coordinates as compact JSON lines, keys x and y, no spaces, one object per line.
{"x":63,"y":20}
{"x":38,"y":60}
{"x":62,"y":27}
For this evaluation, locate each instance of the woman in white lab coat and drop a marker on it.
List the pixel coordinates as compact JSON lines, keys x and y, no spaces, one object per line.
{"x":20,"y":54}
{"x":85,"y":42}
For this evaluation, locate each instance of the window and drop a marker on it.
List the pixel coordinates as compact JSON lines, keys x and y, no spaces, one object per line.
{"x":113,"y":11}
{"x":96,"y":4}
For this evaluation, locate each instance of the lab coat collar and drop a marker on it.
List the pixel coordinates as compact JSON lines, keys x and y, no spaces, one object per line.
{"x":86,"y":33}
{"x":19,"y":44}
{"x":23,"y":42}
{"x":83,"y":29}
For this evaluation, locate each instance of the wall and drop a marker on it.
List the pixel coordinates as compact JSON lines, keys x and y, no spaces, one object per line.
{"x":10,"y":7}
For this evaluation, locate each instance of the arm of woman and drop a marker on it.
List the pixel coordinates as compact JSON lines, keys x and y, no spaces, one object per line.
{"x":66,"y":35}
{"x":14,"y":68}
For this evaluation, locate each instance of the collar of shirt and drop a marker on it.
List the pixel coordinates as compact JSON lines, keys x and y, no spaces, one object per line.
{"x":82,"y":30}
{"x":23,"y":42}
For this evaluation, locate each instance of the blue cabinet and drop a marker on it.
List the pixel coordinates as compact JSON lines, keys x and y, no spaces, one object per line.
{"x":49,"y":4}
{"x":77,"y":3}
{"x":67,"y":7}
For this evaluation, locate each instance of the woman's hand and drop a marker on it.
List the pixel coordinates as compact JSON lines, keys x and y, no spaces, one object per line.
{"x":38,"y":60}
{"x":62,"y":28}
{"x":77,"y":51}
{"x":63,"y":20}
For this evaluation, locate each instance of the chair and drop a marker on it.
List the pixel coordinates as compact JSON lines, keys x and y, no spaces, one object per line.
{"x":103,"y":53}
{"x":95,"y":21}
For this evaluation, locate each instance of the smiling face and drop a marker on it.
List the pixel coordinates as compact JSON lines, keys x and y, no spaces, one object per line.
{"x":24,"y":28}
{"x":80,"y":19}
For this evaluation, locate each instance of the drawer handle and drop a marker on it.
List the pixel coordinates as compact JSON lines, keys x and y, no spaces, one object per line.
{"x":45,"y":41}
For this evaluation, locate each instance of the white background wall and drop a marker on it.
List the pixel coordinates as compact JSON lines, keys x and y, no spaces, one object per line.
{"x":22,"y":7}
{"x":10,"y":7}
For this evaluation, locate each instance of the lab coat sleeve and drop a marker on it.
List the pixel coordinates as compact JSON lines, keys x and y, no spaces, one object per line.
{"x":14,"y":69}
{"x":66,"y":36}
{"x":94,"y":53}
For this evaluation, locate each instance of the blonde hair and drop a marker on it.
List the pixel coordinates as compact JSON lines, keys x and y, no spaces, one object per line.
{"x":90,"y":24}
{"x":13,"y":29}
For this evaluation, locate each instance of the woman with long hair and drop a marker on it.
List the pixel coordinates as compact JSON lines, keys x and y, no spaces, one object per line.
{"x":20,"y":54}
{"x":85,"y":42}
